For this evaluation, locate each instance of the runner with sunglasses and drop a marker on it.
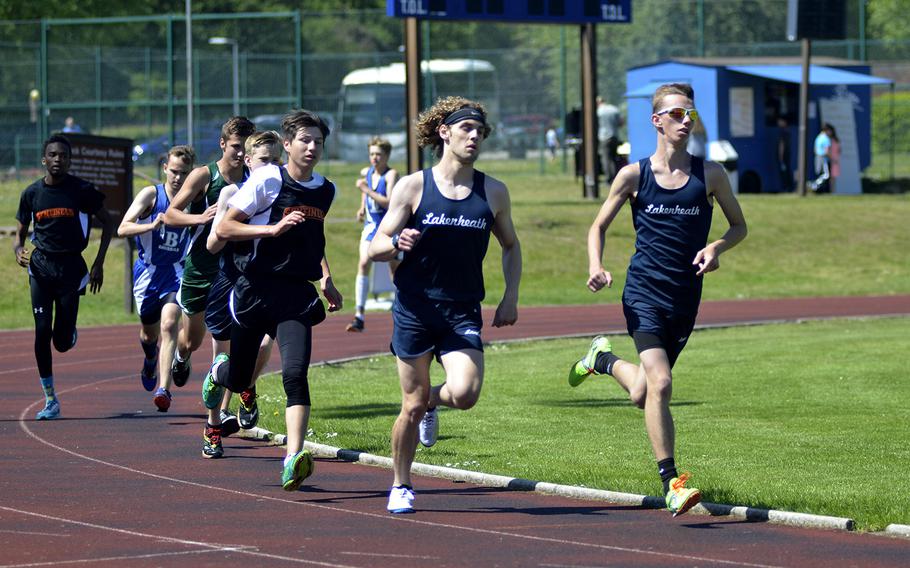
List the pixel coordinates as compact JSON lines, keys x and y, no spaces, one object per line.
{"x":672,"y":195}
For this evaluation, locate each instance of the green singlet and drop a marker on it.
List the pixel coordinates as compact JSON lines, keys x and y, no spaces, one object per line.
{"x":200,"y":263}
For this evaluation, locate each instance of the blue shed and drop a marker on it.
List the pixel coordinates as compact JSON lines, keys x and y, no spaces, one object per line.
{"x":741,"y":100}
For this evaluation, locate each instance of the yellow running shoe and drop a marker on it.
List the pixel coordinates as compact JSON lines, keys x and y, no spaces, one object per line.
{"x":585,"y":367}
{"x":681,"y":498}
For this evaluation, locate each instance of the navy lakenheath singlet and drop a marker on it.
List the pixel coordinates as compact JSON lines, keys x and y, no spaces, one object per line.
{"x":447,"y":262}
{"x":671,"y":226}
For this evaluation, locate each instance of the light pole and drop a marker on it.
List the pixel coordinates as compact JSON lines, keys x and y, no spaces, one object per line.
{"x":235,"y":53}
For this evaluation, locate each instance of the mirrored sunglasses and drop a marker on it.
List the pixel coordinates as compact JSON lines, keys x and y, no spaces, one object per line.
{"x":679,"y":113}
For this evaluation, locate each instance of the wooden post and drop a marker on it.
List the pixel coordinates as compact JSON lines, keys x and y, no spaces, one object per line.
{"x":412,"y":85}
{"x":588,"y":94}
{"x":801,"y":176}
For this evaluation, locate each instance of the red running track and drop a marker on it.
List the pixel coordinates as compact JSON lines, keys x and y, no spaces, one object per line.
{"x":116,"y":484}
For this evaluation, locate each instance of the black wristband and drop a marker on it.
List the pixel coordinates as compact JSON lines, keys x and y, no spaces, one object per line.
{"x":395,"y":241}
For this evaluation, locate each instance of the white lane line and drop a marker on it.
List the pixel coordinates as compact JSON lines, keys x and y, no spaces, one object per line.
{"x":381,"y":555}
{"x":384,"y":516}
{"x":109,"y":559}
{"x":70,"y":364}
{"x":33,"y":533}
{"x":241,"y":549}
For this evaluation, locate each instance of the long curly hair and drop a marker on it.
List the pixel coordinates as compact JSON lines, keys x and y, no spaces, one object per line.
{"x":428,"y":122}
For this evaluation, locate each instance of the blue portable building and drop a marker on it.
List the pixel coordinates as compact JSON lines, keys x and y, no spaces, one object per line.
{"x":741,"y":99}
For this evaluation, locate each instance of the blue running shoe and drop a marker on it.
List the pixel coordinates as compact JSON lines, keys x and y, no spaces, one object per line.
{"x":299,"y":468}
{"x":212,"y":392}
{"x":51,"y":411}
{"x":149,"y":374}
{"x":162,"y":399}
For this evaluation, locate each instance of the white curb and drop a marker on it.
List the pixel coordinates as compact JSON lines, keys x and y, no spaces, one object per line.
{"x":898,"y":530}
{"x":650,"y":502}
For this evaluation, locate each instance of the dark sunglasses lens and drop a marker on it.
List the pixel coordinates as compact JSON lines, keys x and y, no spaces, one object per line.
{"x":677,"y":113}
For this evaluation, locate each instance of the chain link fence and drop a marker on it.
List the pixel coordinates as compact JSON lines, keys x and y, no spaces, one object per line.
{"x":127,"y":76}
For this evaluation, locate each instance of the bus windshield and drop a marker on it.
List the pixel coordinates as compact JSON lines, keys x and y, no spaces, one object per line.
{"x":372,"y":100}
{"x":373,"y":109}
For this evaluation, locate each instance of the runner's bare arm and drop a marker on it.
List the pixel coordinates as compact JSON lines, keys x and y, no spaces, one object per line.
{"x":708,"y":258}
{"x":624,"y":187}
{"x":213,"y":244}
{"x":195,"y":185}
{"x":19,"y":244}
{"x":141,"y":206}
{"x":96,"y":273}
{"x":504,"y":230}
{"x":331,"y":294}
{"x":402,"y":205}
{"x":233,"y":227}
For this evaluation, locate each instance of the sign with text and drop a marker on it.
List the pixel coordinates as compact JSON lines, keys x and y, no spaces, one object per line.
{"x":530,"y":11}
{"x":107,"y":163}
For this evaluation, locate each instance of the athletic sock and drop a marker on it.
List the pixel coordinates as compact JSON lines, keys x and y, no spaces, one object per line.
{"x":47,"y":383}
{"x":667,"y":470}
{"x":361,"y":289}
{"x":603,"y":365}
{"x":150,"y":350}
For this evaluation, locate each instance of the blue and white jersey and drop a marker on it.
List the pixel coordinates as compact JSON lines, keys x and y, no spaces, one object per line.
{"x":159,"y":268}
{"x":374,"y":211}
{"x":165,"y":245}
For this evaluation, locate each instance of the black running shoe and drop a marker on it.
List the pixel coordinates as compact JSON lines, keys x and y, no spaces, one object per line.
{"x":180,"y":371}
{"x":229,"y":424}
{"x":248,"y":413}
{"x":356,"y":325}
{"x":211,"y":442}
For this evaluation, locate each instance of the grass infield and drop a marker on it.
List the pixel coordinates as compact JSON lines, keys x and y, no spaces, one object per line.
{"x":813,"y":246}
{"x":806,"y":417}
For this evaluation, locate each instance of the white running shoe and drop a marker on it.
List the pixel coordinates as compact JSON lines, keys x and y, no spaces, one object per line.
{"x":401,"y":500}
{"x":429,"y":428}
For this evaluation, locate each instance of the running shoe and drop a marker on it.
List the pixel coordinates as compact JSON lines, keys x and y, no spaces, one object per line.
{"x":248,"y":413}
{"x":211,"y":442}
{"x":149,"y":375}
{"x":51,"y":411}
{"x":212,"y":392}
{"x":585,"y":367}
{"x":356,"y":325}
{"x":162,"y":399}
{"x":75,"y":338}
{"x":681,"y":498}
{"x":296,"y":470}
{"x":429,"y":428}
{"x":180,"y":371}
{"x":401,"y":500}
{"x":229,"y":424}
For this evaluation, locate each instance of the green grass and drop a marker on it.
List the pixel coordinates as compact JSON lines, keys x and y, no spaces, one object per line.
{"x":818,"y":245}
{"x":803,"y":417}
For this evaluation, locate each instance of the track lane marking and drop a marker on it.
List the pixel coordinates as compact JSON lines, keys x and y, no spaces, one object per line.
{"x":385,"y":516}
